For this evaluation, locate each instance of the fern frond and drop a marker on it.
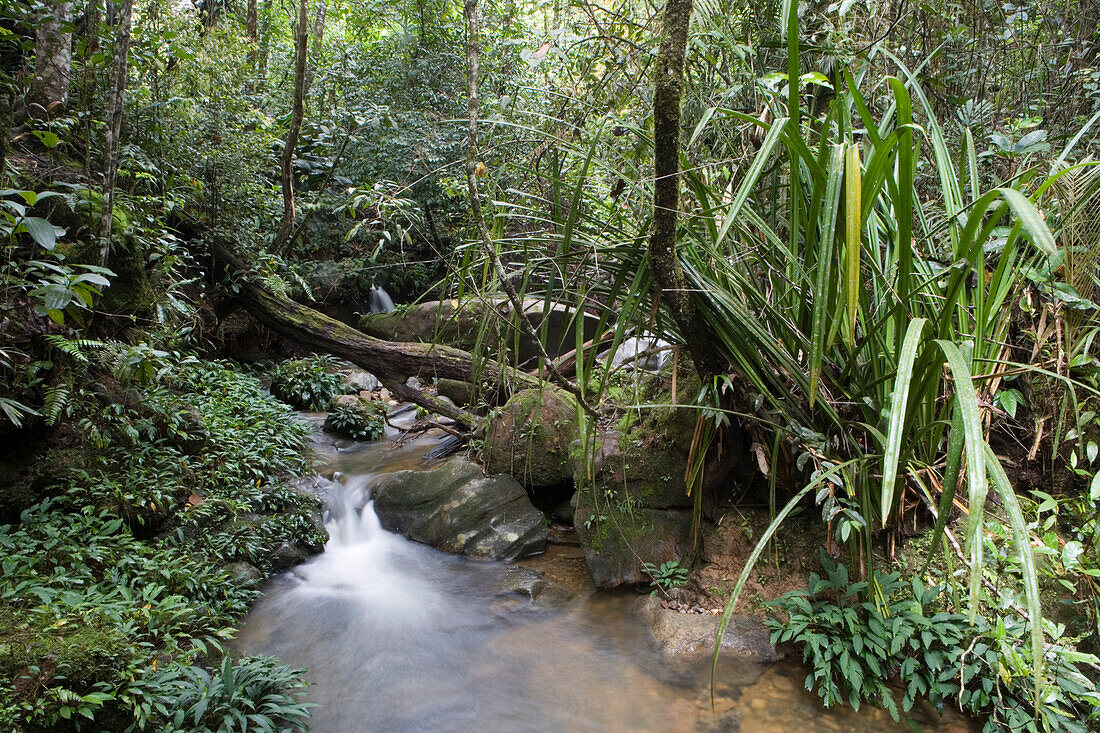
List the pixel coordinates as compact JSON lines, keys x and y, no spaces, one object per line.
{"x":75,"y":348}
{"x":57,"y":398}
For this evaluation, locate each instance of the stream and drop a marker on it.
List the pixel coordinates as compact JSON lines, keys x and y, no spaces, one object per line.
{"x":397,"y":636}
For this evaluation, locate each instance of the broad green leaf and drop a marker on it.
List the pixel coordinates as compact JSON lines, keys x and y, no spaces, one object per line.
{"x":897,"y":416}
{"x":41,"y":231}
{"x":966,"y":397}
{"x":1022,"y":541}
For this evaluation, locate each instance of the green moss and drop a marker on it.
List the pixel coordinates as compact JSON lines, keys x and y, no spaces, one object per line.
{"x":36,"y":651}
{"x":532,"y":438}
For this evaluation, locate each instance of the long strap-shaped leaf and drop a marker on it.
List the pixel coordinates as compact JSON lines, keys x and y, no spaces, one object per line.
{"x":898,"y":414}
{"x":853,"y":245}
{"x":748,"y":183}
{"x":824,"y":268}
{"x":1027,"y":564}
{"x":967,"y":402}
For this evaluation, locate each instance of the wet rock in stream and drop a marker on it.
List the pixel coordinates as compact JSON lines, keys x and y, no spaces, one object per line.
{"x":455,"y":508}
{"x":685,"y":638}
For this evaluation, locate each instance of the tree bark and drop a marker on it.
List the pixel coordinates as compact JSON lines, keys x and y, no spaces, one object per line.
{"x":392,"y":362}
{"x":301,"y":48}
{"x":318,"y":44}
{"x":115,"y":100}
{"x":252,"y":25}
{"x":53,"y":57}
{"x":663,"y":260}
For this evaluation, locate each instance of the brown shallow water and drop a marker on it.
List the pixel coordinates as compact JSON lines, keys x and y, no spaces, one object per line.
{"x":397,"y":636}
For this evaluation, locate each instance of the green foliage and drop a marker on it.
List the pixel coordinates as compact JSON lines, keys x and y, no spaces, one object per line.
{"x":307,"y":383}
{"x":859,"y":637}
{"x":254,"y":693}
{"x":365,"y":421}
{"x":665,"y":577}
{"x":132,"y":545}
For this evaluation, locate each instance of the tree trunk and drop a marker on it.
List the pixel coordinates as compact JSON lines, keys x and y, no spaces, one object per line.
{"x":392,"y":362}
{"x":53,"y":57}
{"x":663,"y":260}
{"x":115,"y":99}
{"x":253,"y":34}
{"x":265,"y":40}
{"x":318,"y":44}
{"x":301,"y":48}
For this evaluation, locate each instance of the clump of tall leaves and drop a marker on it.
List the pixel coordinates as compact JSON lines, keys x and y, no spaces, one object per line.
{"x":903,"y":643}
{"x":307,"y":383}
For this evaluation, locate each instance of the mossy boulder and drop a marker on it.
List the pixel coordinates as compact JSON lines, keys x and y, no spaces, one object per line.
{"x":531,"y":438}
{"x":634,"y":507}
{"x":618,"y":536}
{"x":447,"y":322}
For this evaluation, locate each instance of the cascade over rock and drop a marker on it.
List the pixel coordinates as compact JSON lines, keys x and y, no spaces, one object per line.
{"x":455,"y":507}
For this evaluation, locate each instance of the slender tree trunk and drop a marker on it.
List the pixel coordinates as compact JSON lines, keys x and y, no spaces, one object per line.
{"x":663,"y":260}
{"x":253,"y":34}
{"x":115,"y":99}
{"x":318,"y":44}
{"x":265,"y":40}
{"x":301,"y":48}
{"x":53,"y":58}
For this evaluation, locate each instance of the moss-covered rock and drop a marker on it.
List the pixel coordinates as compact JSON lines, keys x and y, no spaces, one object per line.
{"x":618,"y":536}
{"x":531,"y":438}
{"x":441,"y":322}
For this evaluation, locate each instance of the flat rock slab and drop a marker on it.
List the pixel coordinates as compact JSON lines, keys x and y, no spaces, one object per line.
{"x":686,"y":638}
{"x":455,"y":508}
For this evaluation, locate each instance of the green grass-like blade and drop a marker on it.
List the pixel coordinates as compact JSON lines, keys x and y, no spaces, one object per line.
{"x":825,"y":255}
{"x":853,"y":225}
{"x":966,"y":397}
{"x":898,"y":414}
{"x":1027,"y":564}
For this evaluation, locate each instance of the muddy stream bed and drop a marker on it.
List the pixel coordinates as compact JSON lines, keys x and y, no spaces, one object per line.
{"x":397,"y":636}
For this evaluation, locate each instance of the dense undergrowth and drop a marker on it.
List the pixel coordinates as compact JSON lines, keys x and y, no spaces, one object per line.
{"x":119,"y":586}
{"x":890,"y":232}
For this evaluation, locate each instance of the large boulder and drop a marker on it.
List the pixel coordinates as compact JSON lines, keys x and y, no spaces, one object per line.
{"x":634,"y":509}
{"x":686,"y":638}
{"x":456,"y":508}
{"x":440,"y":322}
{"x":531,"y":438}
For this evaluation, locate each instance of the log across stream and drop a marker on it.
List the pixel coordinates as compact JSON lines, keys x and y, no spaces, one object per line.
{"x":397,"y":636}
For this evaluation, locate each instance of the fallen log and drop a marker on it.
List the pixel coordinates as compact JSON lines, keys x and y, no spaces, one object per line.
{"x":392,"y":362}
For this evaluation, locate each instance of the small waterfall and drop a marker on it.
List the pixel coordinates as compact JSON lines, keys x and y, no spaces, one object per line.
{"x":346,"y":524}
{"x":378,"y":300}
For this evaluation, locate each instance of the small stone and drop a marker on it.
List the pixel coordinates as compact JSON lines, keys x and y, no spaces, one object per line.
{"x":384,"y":395}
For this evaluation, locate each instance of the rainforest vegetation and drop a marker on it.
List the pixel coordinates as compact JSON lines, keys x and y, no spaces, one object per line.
{"x":859,"y":241}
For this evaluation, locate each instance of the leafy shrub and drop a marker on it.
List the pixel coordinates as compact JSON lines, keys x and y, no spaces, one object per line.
{"x":666,"y":576}
{"x":306,"y":383}
{"x":363,"y":421}
{"x":126,"y":558}
{"x":254,"y":693}
{"x":856,"y":646}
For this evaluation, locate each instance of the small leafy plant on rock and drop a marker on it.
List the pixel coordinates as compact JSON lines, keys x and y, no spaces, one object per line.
{"x":308,"y":383}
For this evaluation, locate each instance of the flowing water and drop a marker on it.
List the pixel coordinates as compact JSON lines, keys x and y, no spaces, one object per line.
{"x":397,"y":636}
